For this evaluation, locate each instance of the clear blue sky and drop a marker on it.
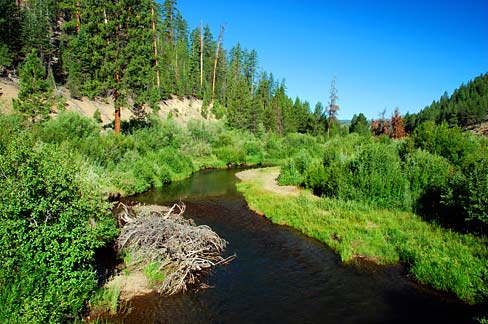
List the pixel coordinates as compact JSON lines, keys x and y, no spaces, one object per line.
{"x":384,"y":54}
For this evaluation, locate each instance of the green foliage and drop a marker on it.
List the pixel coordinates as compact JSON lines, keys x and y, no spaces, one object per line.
{"x":378,"y":177}
{"x":68,"y":126}
{"x":466,"y":106}
{"x":439,"y":173}
{"x":428,"y":175}
{"x":105,"y":300}
{"x":154,"y":273}
{"x":218,"y":110}
{"x":450,"y":143}
{"x":97,"y":116}
{"x":5,"y":56}
{"x":35,"y":95}
{"x":53,"y":219}
{"x":360,"y":125}
{"x":293,"y":170}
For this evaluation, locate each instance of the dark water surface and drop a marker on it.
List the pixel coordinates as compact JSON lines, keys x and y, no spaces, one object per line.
{"x":281,"y":276}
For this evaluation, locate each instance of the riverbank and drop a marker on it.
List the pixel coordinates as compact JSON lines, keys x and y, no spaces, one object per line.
{"x":437,"y":257}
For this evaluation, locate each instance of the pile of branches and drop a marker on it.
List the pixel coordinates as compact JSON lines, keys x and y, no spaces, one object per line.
{"x":185,"y":252}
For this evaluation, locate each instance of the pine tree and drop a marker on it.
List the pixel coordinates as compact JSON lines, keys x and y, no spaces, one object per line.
{"x":319,"y":120}
{"x":359,"y":124}
{"x":38,"y":30}
{"x":194,"y":63}
{"x":182,"y":57}
{"x":35,"y":95}
{"x":10,"y":27}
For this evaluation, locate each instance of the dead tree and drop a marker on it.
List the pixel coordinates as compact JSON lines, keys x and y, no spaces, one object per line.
{"x":216,"y":60}
{"x":201,"y":54}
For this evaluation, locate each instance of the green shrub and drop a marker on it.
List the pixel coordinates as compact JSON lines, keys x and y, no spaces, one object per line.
{"x":53,"y":219}
{"x":428,"y":175}
{"x":290,"y":175}
{"x":254,"y":151}
{"x":231,"y":154}
{"x":451,"y":143}
{"x":68,"y":126}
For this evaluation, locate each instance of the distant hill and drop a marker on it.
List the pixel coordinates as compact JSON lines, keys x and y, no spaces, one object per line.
{"x":466,"y":107}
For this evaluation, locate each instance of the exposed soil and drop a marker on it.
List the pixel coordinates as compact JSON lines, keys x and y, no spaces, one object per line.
{"x":269,"y":178}
{"x":182,"y":110}
{"x":135,"y":283}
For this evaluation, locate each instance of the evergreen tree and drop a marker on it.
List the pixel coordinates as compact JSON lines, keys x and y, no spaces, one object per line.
{"x":465,"y":107}
{"x":10,"y":38}
{"x":359,"y":124}
{"x":35,"y":95}
{"x":319,"y":120}
{"x":194,"y":63}
{"x":182,"y":57}
{"x":38,"y":26}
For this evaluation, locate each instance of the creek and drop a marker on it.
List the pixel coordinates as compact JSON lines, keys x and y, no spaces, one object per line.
{"x":280,"y":275}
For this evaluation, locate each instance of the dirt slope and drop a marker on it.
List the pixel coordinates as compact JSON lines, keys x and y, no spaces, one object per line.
{"x":182,"y":109}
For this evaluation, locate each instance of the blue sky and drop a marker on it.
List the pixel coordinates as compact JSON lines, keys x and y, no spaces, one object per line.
{"x":384,"y":54}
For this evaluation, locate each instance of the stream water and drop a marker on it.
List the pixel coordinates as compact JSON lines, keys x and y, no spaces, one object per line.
{"x":281,"y":276}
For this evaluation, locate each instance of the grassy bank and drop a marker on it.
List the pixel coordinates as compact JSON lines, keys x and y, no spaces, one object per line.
{"x":441,"y":258}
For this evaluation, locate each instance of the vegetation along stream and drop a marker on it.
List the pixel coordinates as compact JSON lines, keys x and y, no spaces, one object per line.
{"x":281,"y":276}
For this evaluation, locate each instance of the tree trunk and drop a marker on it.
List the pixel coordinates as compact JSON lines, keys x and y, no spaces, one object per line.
{"x":177,"y":72}
{"x":117,"y":105}
{"x":215,"y":62}
{"x":78,"y":21}
{"x":201,"y":55}
{"x":155,"y":47}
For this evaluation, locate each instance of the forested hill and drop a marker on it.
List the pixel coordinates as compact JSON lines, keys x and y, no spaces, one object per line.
{"x":467,"y":106}
{"x":145,"y":52}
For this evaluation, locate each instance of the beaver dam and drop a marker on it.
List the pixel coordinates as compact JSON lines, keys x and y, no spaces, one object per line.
{"x":183,"y":252}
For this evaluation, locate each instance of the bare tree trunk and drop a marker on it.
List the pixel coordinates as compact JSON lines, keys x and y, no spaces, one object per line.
{"x":155,"y":47}
{"x":177,"y":72}
{"x":215,"y":62}
{"x":78,"y":21}
{"x":117,"y":105}
{"x":201,"y":55}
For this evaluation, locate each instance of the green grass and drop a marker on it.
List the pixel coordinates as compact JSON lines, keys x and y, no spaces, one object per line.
{"x":154,"y":273}
{"x":441,"y":258}
{"x":105,"y":300}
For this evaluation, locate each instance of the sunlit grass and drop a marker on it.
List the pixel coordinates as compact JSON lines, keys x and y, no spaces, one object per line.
{"x":441,"y":258}
{"x":154,"y":273}
{"x":105,"y":300}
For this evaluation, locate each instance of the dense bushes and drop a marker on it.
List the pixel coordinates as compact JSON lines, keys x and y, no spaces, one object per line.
{"x":163,"y":151}
{"x":440,"y":172}
{"x":52,"y":220}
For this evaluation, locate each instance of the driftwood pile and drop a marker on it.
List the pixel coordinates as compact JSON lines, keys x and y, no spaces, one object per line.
{"x":185,"y":252}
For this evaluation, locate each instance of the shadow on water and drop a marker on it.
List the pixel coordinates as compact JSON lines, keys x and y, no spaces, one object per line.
{"x":281,"y":276}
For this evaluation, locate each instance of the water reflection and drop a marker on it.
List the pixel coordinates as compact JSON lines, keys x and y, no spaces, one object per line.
{"x":281,"y":276}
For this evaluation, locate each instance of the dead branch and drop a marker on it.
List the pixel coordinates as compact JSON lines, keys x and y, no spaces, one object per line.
{"x":186,"y":252}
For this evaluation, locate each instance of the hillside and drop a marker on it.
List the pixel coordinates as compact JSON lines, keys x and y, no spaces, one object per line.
{"x":467,"y":107}
{"x":182,"y":109}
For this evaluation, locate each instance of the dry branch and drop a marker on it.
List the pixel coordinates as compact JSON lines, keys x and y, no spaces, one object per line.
{"x":184,"y":251}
